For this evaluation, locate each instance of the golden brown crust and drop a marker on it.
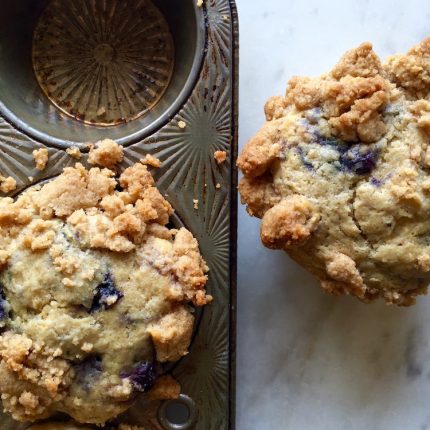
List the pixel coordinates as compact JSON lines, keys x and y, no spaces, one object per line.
{"x":258,"y":194}
{"x":77,"y":188}
{"x":32,"y":378}
{"x":172,"y":335}
{"x":135,"y":180}
{"x":359,"y":62}
{"x":342,"y":268}
{"x":274,"y":108}
{"x":189,"y":266}
{"x":289,"y":223}
{"x":353,"y":106}
{"x":411,"y":72}
{"x":260,"y":152}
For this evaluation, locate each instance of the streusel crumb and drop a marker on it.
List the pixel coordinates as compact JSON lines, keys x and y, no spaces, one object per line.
{"x":7,"y":185}
{"x":74,"y":152}
{"x":220,"y":156}
{"x":41,"y":157}
{"x":150,"y":160}
{"x":106,"y":153}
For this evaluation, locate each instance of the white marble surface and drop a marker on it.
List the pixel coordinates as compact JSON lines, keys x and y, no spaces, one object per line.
{"x":307,"y":360}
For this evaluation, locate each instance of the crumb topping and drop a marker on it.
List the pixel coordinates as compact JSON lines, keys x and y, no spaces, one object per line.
{"x":411,"y":72}
{"x":74,"y":152}
{"x":150,"y":160}
{"x":106,"y":153}
{"x":7,"y":185}
{"x":41,"y":157}
{"x":220,"y":156}
{"x":33,"y":378}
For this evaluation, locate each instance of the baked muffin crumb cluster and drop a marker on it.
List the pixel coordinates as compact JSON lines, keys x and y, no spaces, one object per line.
{"x":95,"y":290}
{"x":339,"y":175}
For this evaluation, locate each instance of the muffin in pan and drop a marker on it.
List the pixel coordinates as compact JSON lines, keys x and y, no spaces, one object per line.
{"x":95,"y":293}
{"x":340,"y":175}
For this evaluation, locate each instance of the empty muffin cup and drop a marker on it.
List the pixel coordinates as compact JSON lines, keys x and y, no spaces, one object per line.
{"x":75,"y":72}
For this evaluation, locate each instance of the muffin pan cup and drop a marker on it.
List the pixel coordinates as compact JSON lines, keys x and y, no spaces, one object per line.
{"x":195,"y":116}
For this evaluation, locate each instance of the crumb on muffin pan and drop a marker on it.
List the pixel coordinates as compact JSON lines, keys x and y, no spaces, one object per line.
{"x":41,"y":158}
{"x":339,"y":174}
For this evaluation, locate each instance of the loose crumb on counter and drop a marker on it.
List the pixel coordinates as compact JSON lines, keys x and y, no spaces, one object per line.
{"x":196,"y":204}
{"x":74,"y":152}
{"x":41,"y":157}
{"x":225,"y":17}
{"x":106,"y":153}
{"x":220,"y":156}
{"x":7,"y":184}
{"x":150,"y":160}
{"x":199,"y":3}
{"x":218,"y":186}
{"x":182,"y":124}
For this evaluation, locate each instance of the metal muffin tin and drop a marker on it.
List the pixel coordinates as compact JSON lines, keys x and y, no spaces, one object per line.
{"x":202,"y":93}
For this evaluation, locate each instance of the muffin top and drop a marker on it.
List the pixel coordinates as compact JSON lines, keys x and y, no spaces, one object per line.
{"x":339,"y":175}
{"x":95,"y":289}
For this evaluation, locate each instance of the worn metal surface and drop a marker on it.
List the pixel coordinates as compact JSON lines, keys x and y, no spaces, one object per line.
{"x":24,"y":104}
{"x":108,"y":62}
{"x":189,"y":172}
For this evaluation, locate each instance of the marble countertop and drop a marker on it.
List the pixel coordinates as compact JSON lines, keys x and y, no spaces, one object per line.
{"x":306,"y":360}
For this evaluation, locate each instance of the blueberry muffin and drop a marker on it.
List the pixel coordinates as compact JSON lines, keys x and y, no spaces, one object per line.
{"x":95,"y":293}
{"x":340,"y":175}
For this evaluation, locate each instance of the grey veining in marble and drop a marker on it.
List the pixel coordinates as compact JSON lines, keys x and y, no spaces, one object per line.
{"x":307,"y":360}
